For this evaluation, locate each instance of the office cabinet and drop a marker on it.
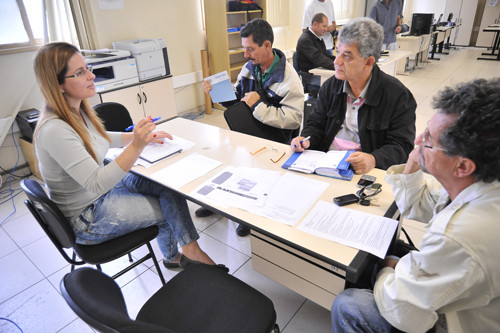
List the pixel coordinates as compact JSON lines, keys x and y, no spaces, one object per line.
{"x":149,"y":98}
{"x":225,"y":52}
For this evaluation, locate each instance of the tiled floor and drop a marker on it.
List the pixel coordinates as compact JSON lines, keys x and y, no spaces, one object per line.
{"x":31,"y":268}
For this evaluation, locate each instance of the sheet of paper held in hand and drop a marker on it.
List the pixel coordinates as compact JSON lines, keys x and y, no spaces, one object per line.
{"x":186,"y":170}
{"x":222,"y":90}
{"x":367,"y":232}
{"x":262,"y":192}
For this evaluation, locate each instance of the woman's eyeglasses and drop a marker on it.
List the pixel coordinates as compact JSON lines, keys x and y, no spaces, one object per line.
{"x":81,"y":72}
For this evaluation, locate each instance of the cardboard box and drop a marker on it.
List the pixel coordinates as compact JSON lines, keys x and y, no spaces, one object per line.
{"x":30,"y":156}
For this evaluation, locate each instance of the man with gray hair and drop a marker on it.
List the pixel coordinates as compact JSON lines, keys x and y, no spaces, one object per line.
{"x":361,"y":108}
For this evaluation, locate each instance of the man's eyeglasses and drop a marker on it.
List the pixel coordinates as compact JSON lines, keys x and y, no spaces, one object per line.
{"x":81,"y":72}
{"x":426,"y":138}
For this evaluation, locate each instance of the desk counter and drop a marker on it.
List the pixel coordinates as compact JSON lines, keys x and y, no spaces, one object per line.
{"x":314,"y":267}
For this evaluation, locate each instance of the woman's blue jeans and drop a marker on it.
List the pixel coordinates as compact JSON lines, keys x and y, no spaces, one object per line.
{"x":136,"y":203}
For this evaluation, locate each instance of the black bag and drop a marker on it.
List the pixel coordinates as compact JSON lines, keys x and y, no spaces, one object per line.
{"x":244,"y":6}
{"x":234,"y":6}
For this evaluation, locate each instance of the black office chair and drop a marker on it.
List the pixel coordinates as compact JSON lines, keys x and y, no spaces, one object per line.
{"x":239,"y":118}
{"x":201,"y":298}
{"x":55,"y":225}
{"x":305,"y":77}
{"x":115,"y":116}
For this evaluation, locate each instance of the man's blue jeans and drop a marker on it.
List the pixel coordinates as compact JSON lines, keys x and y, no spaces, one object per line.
{"x":355,"y":310}
{"x":136,"y":203}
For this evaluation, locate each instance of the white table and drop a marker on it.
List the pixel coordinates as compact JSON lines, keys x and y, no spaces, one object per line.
{"x":311,"y":266}
{"x":418,"y":46}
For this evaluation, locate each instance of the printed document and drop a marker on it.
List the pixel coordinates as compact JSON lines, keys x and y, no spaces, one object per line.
{"x":367,"y":232}
{"x":186,"y":170}
{"x":241,"y":187}
{"x":291,"y":197}
{"x":263,"y":192}
{"x":222,"y":89}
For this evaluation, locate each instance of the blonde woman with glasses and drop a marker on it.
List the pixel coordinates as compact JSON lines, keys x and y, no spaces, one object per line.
{"x":102,"y":202}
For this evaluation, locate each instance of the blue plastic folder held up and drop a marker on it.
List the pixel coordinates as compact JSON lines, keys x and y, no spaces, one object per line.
{"x":330,"y":164}
{"x":222,"y":90}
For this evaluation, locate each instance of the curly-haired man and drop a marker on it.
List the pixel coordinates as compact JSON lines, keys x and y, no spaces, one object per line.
{"x":456,"y":272}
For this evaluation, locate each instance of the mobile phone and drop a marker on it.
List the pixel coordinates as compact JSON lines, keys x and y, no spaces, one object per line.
{"x":366,"y":180}
{"x":346,"y":199}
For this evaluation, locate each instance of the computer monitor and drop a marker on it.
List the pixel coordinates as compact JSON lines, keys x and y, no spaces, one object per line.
{"x":421,"y":24}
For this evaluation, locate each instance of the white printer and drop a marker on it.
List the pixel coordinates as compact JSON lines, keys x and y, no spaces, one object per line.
{"x":150,"y":55}
{"x":112,"y":68}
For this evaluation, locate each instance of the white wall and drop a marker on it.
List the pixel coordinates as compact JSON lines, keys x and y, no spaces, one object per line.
{"x":178,"y":22}
{"x":17,"y":91}
{"x":429,"y":6}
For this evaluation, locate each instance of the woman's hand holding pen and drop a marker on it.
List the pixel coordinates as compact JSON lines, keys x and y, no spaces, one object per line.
{"x":144,"y":133}
{"x":300,"y":143}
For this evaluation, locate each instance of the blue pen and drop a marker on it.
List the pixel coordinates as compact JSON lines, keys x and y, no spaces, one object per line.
{"x":131,"y":127}
{"x":302,"y":141}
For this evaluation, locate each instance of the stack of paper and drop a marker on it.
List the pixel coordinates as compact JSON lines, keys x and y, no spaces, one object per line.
{"x":367,"y":232}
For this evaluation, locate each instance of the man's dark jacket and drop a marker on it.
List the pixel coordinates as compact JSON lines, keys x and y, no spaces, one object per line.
{"x":311,"y":52}
{"x":386,"y":120}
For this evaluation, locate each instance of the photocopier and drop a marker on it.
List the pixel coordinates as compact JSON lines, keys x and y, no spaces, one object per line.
{"x":112,"y":68}
{"x":150,"y":55}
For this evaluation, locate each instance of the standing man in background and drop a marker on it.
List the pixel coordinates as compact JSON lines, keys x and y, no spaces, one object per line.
{"x":388,"y":14}
{"x":325,"y":7}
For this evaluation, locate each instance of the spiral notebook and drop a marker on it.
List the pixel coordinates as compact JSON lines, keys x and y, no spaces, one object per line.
{"x":156,"y":151}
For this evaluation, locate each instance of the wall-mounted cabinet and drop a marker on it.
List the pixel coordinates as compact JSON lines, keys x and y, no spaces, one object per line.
{"x":224,"y":47}
{"x":149,"y":98}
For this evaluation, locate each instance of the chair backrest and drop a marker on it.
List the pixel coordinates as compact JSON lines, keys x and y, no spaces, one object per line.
{"x":240,"y":119}
{"x":115,"y":116}
{"x":305,"y":77}
{"x":204,"y":298}
{"x":295,"y":62}
{"x":201,"y":298}
{"x":98,"y":300}
{"x":49,"y":216}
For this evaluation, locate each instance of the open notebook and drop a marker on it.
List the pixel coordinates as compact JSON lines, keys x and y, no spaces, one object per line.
{"x":156,"y":151}
{"x":331,"y":164}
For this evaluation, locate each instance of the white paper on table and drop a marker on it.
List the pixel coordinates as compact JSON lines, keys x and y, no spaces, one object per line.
{"x":367,"y":232}
{"x":186,"y":170}
{"x":291,"y":197}
{"x":238,"y":187}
